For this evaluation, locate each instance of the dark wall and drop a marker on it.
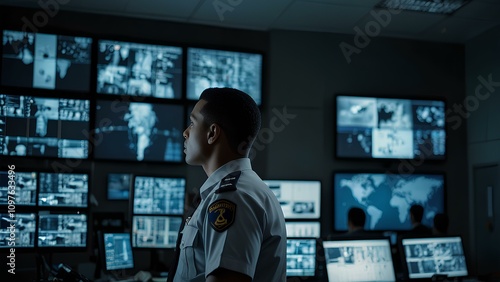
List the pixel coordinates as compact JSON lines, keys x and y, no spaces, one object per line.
{"x":304,"y":71}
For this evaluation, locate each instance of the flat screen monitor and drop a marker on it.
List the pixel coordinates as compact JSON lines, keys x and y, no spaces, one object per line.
{"x":23,"y":226}
{"x":22,"y":188}
{"x":46,"y":61}
{"x":386,"y":198}
{"x":63,"y":190}
{"x":62,"y":230}
{"x":139,"y":69}
{"x":301,"y":229}
{"x":155,"y":232}
{"x":117,"y":251}
{"x":359,"y":260}
{"x":386,"y":128}
{"x":218,"y":68}
{"x":44,"y":127}
{"x":159,"y":195}
{"x":119,"y":186}
{"x":301,"y":257}
{"x":299,"y":199}
{"x":139,"y":131}
{"x":425,"y":257}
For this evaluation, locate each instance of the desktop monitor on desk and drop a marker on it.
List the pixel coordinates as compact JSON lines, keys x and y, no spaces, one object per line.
{"x":425,"y":257}
{"x":359,"y":259}
{"x":116,"y":251}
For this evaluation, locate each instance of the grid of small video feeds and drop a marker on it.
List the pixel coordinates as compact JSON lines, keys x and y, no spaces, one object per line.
{"x":50,"y":210}
{"x":425,"y":257}
{"x":139,"y":69}
{"x":44,"y":127}
{"x":384,"y":128}
{"x":157,"y":209}
{"x":46,"y":61}
{"x":300,"y":201}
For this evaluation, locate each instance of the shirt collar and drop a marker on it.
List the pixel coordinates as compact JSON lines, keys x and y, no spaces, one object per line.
{"x":234,"y":165}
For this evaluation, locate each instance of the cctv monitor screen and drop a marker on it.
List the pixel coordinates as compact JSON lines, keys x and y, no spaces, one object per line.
{"x":299,"y":199}
{"x":119,"y":186}
{"x":22,"y":188}
{"x":44,"y":127}
{"x":155,"y":232}
{"x":17,"y":231}
{"x":218,"y":68}
{"x":386,"y":198}
{"x":359,"y":260}
{"x":297,"y":229}
{"x":46,"y":61}
{"x":425,"y":257}
{"x":159,"y":195}
{"x":63,"y":190}
{"x":383,"y":128}
{"x":301,"y":257}
{"x":139,"y":132}
{"x":117,"y":251}
{"x":62,"y":230}
{"x":139,"y":69}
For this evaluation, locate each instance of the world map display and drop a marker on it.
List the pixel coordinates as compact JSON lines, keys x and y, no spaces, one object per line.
{"x":386,"y":198}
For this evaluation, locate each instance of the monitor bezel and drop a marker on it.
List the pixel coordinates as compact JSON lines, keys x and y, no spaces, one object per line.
{"x":395,"y":97}
{"x":67,"y":207}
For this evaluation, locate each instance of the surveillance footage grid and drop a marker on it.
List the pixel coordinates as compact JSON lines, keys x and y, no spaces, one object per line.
{"x":62,"y":230}
{"x":298,"y":199}
{"x":48,"y":127}
{"x":157,"y":195}
{"x":425,"y":257}
{"x":139,"y":70}
{"x":155,"y":231}
{"x":390,"y":128}
{"x":63,"y":190}
{"x":46,"y":61}
{"x":139,"y":131}
{"x":117,"y":251}
{"x":300,"y":257}
{"x":299,"y":229}
{"x":25,"y":230}
{"x":359,"y":260}
{"x":26,"y":183}
{"x":387,"y":198}
{"x":216,"y":68}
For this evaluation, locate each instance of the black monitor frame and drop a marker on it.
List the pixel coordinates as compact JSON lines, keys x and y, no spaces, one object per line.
{"x":317,"y":260}
{"x":102,"y":251}
{"x":50,"y":249}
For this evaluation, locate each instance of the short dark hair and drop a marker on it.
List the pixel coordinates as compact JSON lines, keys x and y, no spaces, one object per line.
{"x":356,"y":216}
{"x":441,"y":223}
{"x":417,"y":211}
{"x":235,"y":112}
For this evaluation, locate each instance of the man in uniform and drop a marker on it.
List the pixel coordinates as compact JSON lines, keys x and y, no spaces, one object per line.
{"x":237,"y":232}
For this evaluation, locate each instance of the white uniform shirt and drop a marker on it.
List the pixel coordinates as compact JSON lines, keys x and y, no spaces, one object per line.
{"x":239,"y":225}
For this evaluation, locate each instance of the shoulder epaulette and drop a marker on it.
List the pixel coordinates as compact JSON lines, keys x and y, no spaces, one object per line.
{"x":228,"y":183}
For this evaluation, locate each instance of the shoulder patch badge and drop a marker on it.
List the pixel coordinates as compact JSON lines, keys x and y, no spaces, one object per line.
{"x":221,"y":214}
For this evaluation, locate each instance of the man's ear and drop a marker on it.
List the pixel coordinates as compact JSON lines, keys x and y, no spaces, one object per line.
{"x":214,"y":132}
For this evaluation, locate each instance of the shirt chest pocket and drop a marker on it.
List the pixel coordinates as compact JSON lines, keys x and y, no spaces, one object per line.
{"x":188,"y":247}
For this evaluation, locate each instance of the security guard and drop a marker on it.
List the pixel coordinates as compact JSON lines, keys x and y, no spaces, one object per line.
{"x":237,"y":233}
